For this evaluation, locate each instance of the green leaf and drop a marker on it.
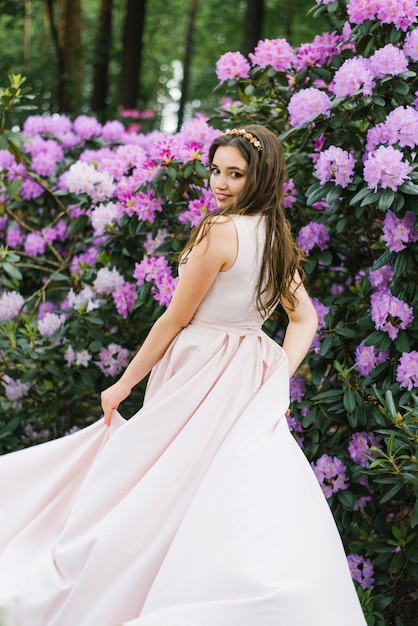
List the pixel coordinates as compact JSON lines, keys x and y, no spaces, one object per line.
{"x":58,"y":276}
{"x":79,"y":224}
{"x":11,"y":270}
{"x":414,"y":515}
{"x":349,"y":400}
{"x":386,"y":199}
{"x":409,"y":188}
{"x":392,"y":492}
{"x":201,"y":170}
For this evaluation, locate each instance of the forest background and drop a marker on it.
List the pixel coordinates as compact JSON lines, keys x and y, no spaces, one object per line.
{"x":102,"y":56}
{"x":103,"y":154}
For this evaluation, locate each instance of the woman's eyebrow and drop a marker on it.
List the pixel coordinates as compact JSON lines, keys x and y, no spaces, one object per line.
{"x":229,"y":167}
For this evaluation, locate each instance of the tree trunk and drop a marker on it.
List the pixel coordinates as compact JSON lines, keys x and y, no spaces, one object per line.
{"x":290,"y":16}
{"x":67,"y":41}
{"x":102,"y":58}
{"x":253,"y":25}
{"x":187,"y":62}
{"x":132,"y":54}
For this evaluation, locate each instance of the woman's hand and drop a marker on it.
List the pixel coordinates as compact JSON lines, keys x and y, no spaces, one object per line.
{"x":112,"y":397}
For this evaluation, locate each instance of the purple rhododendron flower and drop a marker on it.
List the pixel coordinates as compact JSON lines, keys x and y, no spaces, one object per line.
{"x":276,"y":53}
{"x":311,"y":235}
{"x":398,"y":232}
{"x":380,"y":278}
{"x":34,"y":244}
{"x":401,"y":14}
{"x":361,"y":570}
{"x":50,"y":323}
{"x":359,"y":446}
{"x":107,"y":280}
{"x":335,"y":164}
{"x":306,"y":104}
{"x":231,"y":66}
{"x":297,"y":388}
{"x":14,"y":389}
{"x":197,"y":209}
{"x":87,"y":127}
{"x":407,"y":370}
{"x":400,"y":127}
{"x":367,"y":358}
{"x":331,"y":474}
{"x":385,"y":168}
{"x":390,"y":314}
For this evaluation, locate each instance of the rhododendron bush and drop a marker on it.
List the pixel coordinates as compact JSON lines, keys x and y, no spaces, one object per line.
{"x":92,"y":217}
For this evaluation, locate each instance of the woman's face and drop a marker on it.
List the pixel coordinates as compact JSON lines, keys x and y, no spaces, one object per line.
{"x":228,"y":175}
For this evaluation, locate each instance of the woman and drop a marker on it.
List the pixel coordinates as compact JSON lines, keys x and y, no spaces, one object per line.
{"x":201,"y":510}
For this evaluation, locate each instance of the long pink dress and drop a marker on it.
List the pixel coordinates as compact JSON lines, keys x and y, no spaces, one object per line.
{"x":201,"y":510}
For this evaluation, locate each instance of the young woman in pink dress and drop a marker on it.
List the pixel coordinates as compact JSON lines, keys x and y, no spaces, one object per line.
{"x":201,"y":510}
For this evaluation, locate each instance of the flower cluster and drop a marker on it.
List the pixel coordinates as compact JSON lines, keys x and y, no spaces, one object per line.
{"x":407,"y":370}
{"x":276,"y":53}
{"x":307,"y":104}
{"x":354,"y":74}
{"x":157,"y":270}
{"x":11,"y":303}
{"x":362,"y":570}
{"x":112,"y":360}
{"x":14,"y":389}
{"x":400,"y":127}
{"x":389,"y":313}
{"x":359,"y":447}
{"x":400,"y":14}
{"x":335,"y":164}
{"x":367,"y":358}
{"x":331,"y":474}
{"x":385,"y":168}
{"x":399,"y":232}
{"x":231,"y":66}
{"x":311,"y":235}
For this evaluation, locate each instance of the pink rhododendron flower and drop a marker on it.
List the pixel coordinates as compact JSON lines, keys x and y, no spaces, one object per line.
{"x":198,"y":209}
{"x":14,"y":389}
{"x":276,"y":53}
{"x":124,"y":298}
{"x":388,"y":61}
{"x":87,"y":127}
{"x":112,"y":360}
{"x":306,"y":104}
{"x":50,"y":323}
{"x":410,"y":47}
{"x":335,"y":164}
{"x":385,"y":168}
{"x":232,"y":66}
{"x":290,"y":193}
{"x":380,"y":278}
{"x":354,"y":74}
{"x":104,"y":216}
{"x":107,"y":280}
{"x":11,"y":303}
{"x":34,"y":244}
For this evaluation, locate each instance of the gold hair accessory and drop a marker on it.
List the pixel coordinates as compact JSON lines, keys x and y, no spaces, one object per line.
{"x":241,"y":132}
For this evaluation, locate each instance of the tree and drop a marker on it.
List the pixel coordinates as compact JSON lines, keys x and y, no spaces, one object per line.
{"x":132,"y":53}
{"x":253,"y":24}
{"x":102,"y":58}
{"x":67,"y":39}
{"x":187,"y":61}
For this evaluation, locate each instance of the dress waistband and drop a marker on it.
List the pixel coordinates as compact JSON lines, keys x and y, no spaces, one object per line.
{"x":239,"y":328}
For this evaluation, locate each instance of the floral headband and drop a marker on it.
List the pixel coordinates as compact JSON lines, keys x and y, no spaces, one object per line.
{"x":241,"y":132}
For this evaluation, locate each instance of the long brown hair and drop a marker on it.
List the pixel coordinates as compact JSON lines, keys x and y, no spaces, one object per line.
{"x":262,"y":194}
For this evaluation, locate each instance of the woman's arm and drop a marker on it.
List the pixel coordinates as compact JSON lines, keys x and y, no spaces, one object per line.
{"x":301,"y":329}
{"x":216,"y":252}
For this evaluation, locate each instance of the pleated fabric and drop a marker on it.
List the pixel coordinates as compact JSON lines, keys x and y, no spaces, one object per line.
{"x":200,"y":510}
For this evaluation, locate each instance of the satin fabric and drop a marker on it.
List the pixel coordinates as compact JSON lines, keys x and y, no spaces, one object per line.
{"x":201,"y":510}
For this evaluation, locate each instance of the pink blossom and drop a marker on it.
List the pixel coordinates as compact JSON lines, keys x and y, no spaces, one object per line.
{"x":34,"y":244}
{"x":87,"y":127}
{"x":104,"y":216}
{"x":50,"y":323}
{"x":354,"y":74}
{"x":112,"y":131}
{"x":335,"y":164}
{"x":11,"y":303}
{"x":112,"y":360}
{"x":152,"y":243}
{"x":289,"y":193}
{"x":385,"y":168}
{"x":197,"y":209}
{"x":107,"y":281}
{"x":388,"y":61}
{"x":276,"y":53}
{"x":331,"y":474}
{"x":410,"y":47}
{"x":232,"y":66}
{"x":361,"y":570}
{"x":380,"y":278}
{"x":124,"y":298}
{"x":306,"y":104}
{"x":14,"y":389}
{"x":45,"y":153}
{"x":359,"y":447}
{"x":144,"y":204}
